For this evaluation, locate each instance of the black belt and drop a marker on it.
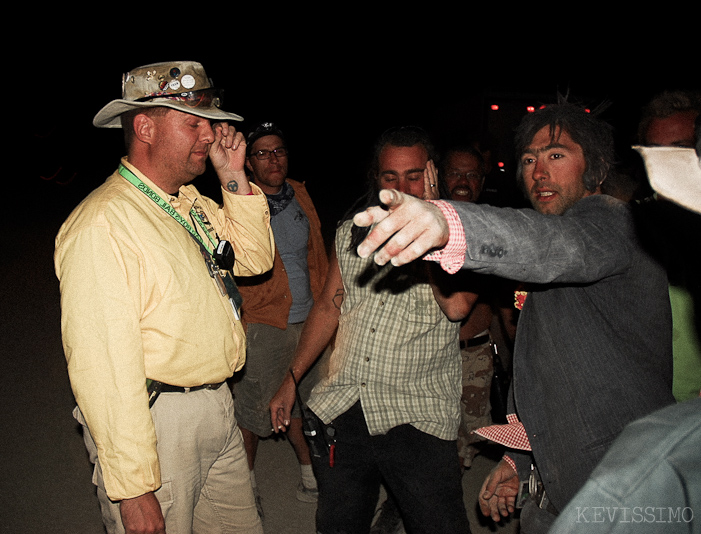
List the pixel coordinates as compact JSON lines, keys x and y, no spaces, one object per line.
{"x":474,"y":342}
{"x":167,"y":388}
{"x":155,"y":388}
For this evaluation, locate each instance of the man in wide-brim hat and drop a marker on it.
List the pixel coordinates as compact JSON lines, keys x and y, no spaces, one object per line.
{"x":151,"y":315}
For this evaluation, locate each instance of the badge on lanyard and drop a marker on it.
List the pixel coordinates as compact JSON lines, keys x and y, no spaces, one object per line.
{"x":225,"y":282}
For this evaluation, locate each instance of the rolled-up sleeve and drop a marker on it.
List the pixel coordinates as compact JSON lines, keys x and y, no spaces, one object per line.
{"x":244,"y":220}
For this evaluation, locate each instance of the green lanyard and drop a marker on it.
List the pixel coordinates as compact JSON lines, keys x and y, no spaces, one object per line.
{"x":165,"y":206}
{"x":224,"y":280}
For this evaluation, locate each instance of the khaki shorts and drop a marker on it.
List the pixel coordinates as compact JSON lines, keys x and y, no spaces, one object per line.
{"x":268,"y":356}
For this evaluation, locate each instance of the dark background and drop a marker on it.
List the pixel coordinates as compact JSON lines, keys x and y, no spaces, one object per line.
{"x":333,"y":94}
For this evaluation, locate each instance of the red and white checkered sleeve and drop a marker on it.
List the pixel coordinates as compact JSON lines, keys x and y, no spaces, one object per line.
{"x":512,"y":434}
{"x":451,"y":257}
{"x":509,"y":461}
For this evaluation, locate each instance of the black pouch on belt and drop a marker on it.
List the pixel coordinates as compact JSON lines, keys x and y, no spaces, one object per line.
{"x":320,"y":437}
{"x":154,"y":389}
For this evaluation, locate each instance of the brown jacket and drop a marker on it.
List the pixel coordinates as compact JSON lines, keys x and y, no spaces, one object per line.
{"x":267,"y":298}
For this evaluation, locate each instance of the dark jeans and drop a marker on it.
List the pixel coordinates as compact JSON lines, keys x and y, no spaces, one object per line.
{"x":421,"y":471}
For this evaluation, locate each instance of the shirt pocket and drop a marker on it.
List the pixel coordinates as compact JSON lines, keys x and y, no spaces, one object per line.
{"x":422,"y":309}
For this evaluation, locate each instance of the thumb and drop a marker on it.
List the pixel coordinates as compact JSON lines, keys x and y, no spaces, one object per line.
{"x":491,"y":483}
{"x":489,"y":487}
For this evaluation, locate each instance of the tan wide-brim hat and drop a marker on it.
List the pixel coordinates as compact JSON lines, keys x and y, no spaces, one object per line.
{"x":674,"y":173}
{"x":181,"y":85}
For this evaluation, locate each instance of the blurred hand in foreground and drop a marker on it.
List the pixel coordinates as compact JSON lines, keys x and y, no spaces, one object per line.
{"x":406,"y":228}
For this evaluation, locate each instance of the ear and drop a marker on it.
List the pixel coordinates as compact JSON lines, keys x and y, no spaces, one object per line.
{"x":144,"y":128}
{"x":605,"y":169}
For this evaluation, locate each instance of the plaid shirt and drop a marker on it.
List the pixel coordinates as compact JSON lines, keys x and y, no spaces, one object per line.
{"x":395,"y":350}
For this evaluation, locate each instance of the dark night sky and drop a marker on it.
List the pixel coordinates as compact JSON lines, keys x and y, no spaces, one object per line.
{"x":332,"y":97}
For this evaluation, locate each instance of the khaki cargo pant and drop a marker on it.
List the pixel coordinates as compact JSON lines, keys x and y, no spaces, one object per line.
{"x":206,"y":482}
{"x":477,"y":371}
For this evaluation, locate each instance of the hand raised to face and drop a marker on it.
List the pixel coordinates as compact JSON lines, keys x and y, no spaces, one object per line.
{"x":228,"y":156}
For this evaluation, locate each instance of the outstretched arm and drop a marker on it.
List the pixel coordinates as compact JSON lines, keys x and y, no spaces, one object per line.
{"x":317,"y":333}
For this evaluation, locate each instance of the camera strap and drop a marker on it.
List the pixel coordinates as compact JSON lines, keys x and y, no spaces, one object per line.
{"x":219,"y":259}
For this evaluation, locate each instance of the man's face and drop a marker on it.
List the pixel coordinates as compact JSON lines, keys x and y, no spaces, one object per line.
{"x":553,"y":166}
{"x":402,"y":168}
{"x":269,"y":174}
{"x":463,"y":176}
{"x":676,"y":130}
{"x":181,"y":145}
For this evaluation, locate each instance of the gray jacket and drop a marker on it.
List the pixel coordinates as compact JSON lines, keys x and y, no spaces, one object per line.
{"x":593,"y":346}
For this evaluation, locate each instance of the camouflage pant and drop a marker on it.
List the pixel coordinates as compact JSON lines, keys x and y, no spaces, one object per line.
{"x":477,"y":370}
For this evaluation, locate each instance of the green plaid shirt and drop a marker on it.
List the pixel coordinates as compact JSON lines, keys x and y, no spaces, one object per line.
{"x":395,"y":350}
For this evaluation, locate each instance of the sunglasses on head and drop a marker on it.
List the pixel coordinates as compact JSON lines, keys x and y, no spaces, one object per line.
{"x":203,"y":98}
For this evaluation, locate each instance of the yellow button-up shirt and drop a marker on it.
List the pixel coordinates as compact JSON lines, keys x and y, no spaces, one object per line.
{"x":137,"y":302}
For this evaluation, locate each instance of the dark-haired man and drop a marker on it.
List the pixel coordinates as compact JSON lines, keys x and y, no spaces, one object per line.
{"x":392,"y":395}
{"x":593,"y":345}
